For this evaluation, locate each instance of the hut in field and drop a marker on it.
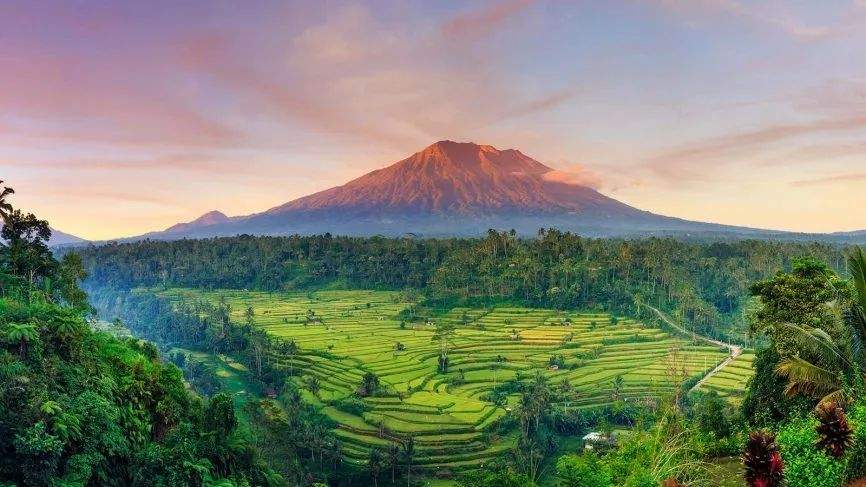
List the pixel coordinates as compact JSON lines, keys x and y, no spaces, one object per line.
{"x":599,"y":441}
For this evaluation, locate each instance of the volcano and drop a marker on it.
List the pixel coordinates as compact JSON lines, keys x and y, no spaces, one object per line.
{"x":450,"y":189}
{"x":457,"y":179}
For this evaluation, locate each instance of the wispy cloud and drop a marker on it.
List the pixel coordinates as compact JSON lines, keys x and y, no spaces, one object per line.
{"x":772,"y":16}
{"x":353,"y":77}
{"x":480,"y":22}
{"x":838,"y":178}
{"x":113,"y":99}
{"x":691,"y":158}
{"x":185,"y":162}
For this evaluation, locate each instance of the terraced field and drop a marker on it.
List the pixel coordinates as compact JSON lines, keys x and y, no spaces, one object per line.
{"x":342,"y":335}
{"x":730,"y":382}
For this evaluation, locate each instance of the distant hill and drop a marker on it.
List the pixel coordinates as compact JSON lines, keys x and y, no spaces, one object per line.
{"x":59,"y":238}
{"x":855,"y":234}
{"x":457,"y":189}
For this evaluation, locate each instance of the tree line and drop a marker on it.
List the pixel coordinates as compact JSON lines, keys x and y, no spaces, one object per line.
{"x":703,"y":284}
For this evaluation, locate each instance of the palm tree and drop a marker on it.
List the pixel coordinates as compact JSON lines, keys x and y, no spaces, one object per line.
{"x":840,"y":364}
{"x":313,"y":385}
{"x":336,"y":453}
{"x":260,"y":344}
{"x":393,"y":460}
{"x":616,"y":388}
{"x":857,"y":268}
{"x":408,"y":455}
{"x":805,"y":376}
{"x":374,"y":464}
{"x":22,"y":335}
{"x":5,"y":206}
{"x":370,"y":384}
{"x":444,"y":334}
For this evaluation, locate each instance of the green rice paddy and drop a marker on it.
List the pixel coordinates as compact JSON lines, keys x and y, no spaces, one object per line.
{"x":730,"y":382}
{"x":341,"y":335}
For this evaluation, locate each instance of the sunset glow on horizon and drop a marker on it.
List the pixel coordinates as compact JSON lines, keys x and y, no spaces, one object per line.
{"x":119,"y":118}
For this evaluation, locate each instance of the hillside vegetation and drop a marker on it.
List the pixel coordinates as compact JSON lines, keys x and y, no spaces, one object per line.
{"x":80,"y":407}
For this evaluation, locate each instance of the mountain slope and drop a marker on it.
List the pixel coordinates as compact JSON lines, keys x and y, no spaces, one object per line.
{"x":454,"y":189}
{"x":59,"y":238}
{"x":210,"y":218}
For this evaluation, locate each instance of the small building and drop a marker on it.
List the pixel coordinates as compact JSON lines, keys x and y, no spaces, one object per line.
{"x":599,"y":441}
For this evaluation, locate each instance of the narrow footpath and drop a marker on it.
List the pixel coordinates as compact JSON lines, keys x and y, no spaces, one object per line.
{"x":735,"y":350}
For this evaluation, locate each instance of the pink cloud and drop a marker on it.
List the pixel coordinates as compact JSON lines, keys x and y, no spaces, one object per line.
{"x":350,"y":75}
{"x":123,"y":97}
{"x":476,"y":23}
{"x":771,"y":16}
{"x":575,"y":175}
{"x":693,"y":160}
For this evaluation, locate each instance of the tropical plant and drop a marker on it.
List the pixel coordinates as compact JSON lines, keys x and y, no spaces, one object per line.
{"x":374,"y":464}
{"x":856,"y":467}
{"x":21,"y":335}
{"x":369,"y":384}
{"x":842,"y":355}
{"x":805,"y":314}
{"x":313,"y":384}
{"x":407,"y":455}
{"x":393,"y":460}
{"x":5,"y":206}
{"x":50,"y":408}
{"x":834,"y":433}
{"x":444,"y":334}
{"x":762,"y":460}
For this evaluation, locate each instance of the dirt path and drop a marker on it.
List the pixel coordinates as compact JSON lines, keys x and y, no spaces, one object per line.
{"x":734,"y":349}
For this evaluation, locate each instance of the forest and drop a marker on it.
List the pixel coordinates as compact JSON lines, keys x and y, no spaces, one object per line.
{"x":704,"y":284}
{"x":81,"y":407}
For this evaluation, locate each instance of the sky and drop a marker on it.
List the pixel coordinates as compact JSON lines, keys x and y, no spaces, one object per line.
{"x":118,"y":118}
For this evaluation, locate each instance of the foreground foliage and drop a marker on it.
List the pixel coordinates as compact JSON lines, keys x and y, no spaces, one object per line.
{"x":809,"y":374}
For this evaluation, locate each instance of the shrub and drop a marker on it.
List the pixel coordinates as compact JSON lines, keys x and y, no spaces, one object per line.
{"x":713,"y":416}
{"x":805,"y":464}
{"x":641,"y":478}
{"x":582,"y":471}
{"x":495,"y":476}
{"x":857,"y":453}
{"x":711,"y":446}
{"x":352,"y":405}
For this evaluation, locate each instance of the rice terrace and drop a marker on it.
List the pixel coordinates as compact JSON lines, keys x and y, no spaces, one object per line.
{"x":345,"y":338}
